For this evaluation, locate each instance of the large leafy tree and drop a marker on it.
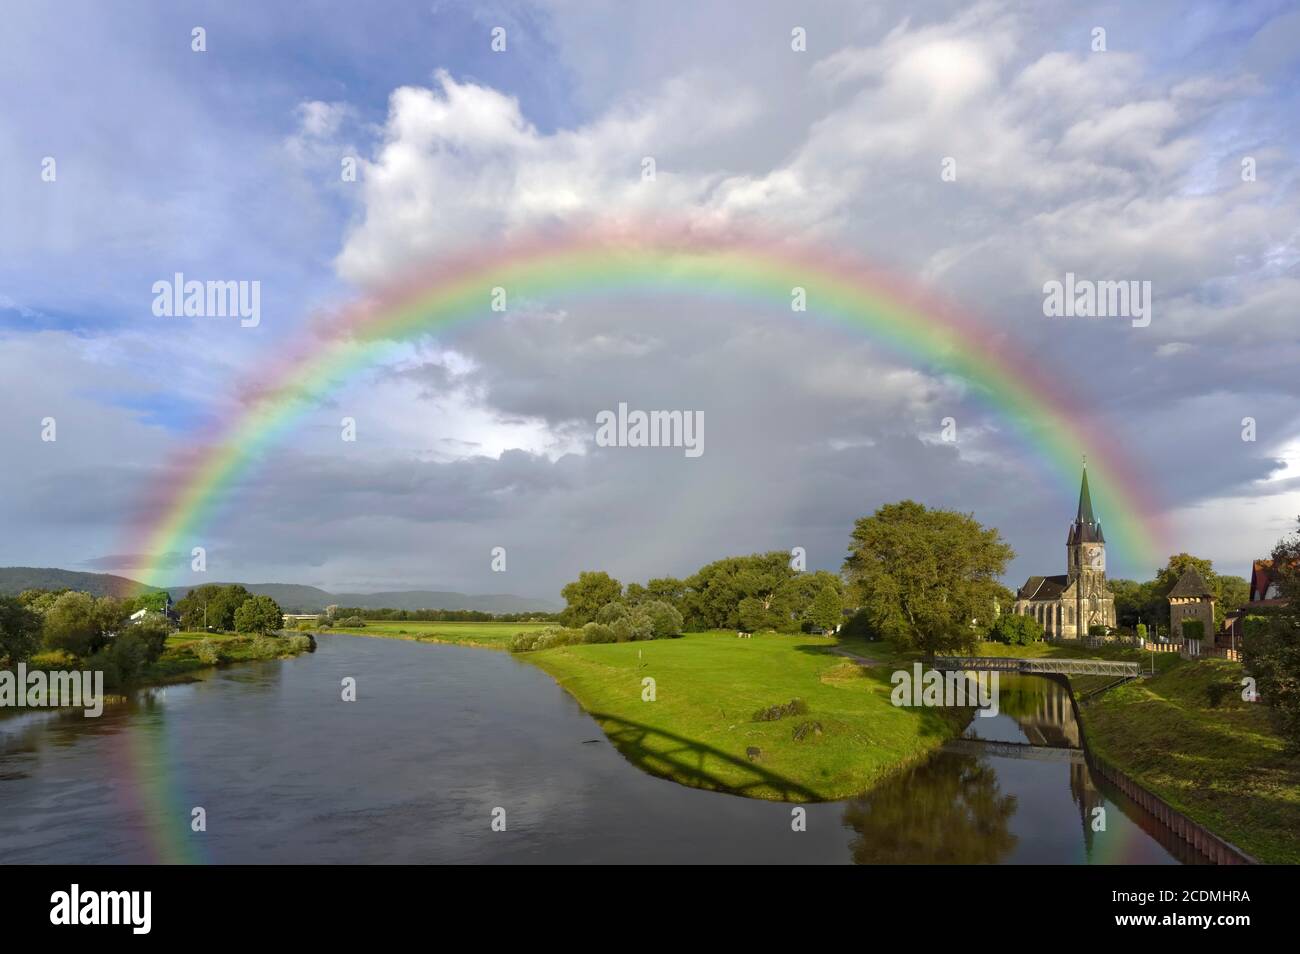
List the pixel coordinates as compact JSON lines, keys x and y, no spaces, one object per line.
{"x":827,"y":609}
{"x":585,"y":596}
{"x":75,"y":624}
{"x":214,"y":603}
{"x":20,"y":630}
{"x":258,"y":614}
{"x":1230,"y":592}
{"x":927,"y":578}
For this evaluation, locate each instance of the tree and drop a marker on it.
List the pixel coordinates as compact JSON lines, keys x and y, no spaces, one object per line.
{"x":1016,"y":630}
{"x":258,"y":614}
{"x":72,"y":624}
{"x":926,"y":576}
{"x":827,"y":610}
{"x":211,"y":605}
{"x":20,"y":630}
{"x":1193,"y":629}
{"x":587,"y":594}
{"x":716,"y":592}
{"x":665,"y":621}
{"x":1271,"y":647}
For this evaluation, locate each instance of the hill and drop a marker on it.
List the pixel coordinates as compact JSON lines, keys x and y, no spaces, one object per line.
{"x":292,"y":597}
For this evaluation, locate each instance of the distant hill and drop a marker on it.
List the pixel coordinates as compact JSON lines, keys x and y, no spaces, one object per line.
{"x":292,"y":597}
{"x":15,"y":579}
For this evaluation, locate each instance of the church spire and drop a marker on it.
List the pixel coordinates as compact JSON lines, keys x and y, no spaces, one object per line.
{"x":1085,"y":499}
{"x":1086,"y":527}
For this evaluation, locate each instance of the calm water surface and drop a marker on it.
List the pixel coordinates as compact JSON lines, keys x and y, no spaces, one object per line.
{"x":441,"y":735}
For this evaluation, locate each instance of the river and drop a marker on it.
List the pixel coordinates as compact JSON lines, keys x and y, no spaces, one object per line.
{"x":441,"y":736}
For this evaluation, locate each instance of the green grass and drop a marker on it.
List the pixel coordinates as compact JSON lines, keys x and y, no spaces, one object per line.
{"x":484,"y":635}
{"x":1223,"y":766}
{"x":708,"y":686}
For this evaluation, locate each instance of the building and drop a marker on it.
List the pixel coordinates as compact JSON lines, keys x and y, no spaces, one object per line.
{"x":1264,"y":592}
{"x":1068,"y":604}
{"x":1192,"y":599}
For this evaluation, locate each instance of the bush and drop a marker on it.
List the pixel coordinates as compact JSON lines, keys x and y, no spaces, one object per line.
{"x":546,"y":639}
{"x":1015,"y":630}
{"x":130,"y":652}
{"x":208,"y":652}
{"x":597,"y":633}
{"x":1142,"y":631}
{"x":153,"y":631}
{"x":611,"y":612}
{"x":632,"y":627}
{"x":352,"y":622}
{"x":665,"y":621}
{"x":1216,"y":692}
{"x":1096,"y":629}
{"x":772,"y":713}
{"x":306,"y":627}
{"x":1193,"y":629}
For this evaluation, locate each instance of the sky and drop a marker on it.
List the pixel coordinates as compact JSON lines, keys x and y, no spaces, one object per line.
{"x":226,"y":164}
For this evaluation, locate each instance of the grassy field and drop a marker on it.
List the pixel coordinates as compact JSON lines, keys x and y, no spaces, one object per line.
{"x":1222,"y":764}
{"x":700,"y":730}
{"x":483,"y":635}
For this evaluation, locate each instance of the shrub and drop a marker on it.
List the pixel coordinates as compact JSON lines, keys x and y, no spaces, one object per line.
{"x":664,"y":620}
{"x":632,"y":627}
{"x":1216,"y":692}
{"x":153,"y":631}
{"x":130,"y":652}
{"x":1015,"y":630}
{"x":352,"y":622}
{"x":208,"y":652}
{"x":1096,"y":629}
{"x":611,"y":612}
{"x":772,"y":713}
{"x":1142,"y":631}
{"x":597,"y":633}
{"x":305,"y":627}
{"x":1193,"y":629}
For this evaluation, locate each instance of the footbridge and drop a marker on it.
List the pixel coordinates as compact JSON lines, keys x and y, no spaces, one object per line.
{"x":1042,"y":666}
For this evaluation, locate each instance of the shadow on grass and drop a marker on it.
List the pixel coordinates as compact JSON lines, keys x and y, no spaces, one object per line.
{"x":685,"y":760}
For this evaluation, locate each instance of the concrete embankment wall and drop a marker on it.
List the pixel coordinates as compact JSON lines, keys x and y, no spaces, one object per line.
{"x":1207,"y":843}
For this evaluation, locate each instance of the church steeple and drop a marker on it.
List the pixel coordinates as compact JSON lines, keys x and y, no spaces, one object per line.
{"x":1086,"y":527}
{"x":1085,"y":499}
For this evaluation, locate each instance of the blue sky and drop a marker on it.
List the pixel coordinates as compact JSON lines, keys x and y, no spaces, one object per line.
{"x":225,"y":165}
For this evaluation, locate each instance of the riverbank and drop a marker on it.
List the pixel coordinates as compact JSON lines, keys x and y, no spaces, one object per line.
{"x":1188,"y":736}
{"x":185,"y":654}
{"x":696,"y":723}
{"x":488,"y":635}
{"x":1184,"y":733}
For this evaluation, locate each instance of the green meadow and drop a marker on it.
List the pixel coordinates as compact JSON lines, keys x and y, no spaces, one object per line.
{"x":700,"y":728}
{"x":490,"y":635}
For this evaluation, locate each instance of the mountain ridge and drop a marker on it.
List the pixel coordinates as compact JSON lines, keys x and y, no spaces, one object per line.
{"x":292,"y":597}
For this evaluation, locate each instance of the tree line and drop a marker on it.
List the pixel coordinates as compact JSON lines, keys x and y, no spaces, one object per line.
{"x":97,"y":632}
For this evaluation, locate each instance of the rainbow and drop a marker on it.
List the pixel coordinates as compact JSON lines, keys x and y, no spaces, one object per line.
{"x":610,"y":261}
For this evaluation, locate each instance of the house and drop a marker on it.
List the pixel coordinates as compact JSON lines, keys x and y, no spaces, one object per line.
{"x":1264,"y":591}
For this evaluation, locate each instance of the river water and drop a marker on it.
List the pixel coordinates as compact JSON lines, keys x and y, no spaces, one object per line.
{"x":441,"y":736}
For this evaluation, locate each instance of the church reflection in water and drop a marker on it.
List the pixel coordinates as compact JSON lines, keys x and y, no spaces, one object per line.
{"x":1000,"y":795}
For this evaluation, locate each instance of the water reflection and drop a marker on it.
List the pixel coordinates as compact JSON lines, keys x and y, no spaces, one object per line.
{"x":441,"y":734}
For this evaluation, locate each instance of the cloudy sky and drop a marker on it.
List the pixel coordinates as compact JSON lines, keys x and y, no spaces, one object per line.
{"x":226,"y":164}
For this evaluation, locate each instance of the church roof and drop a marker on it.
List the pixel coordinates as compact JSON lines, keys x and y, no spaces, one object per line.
{"x":1086,"y":527}
{"x":1043,"y":587}
{"x":1191,"y":584}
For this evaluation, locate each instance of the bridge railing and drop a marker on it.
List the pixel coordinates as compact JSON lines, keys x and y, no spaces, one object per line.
{"x":1061,"y":667}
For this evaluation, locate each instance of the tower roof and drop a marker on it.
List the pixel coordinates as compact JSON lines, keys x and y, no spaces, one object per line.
{"x":1085,"y":501}
{"x":1191,"y":584}
{"x":1086,"y":527}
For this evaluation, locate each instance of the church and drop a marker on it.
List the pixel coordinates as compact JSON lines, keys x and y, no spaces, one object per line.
{"x":1067,"y":605}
